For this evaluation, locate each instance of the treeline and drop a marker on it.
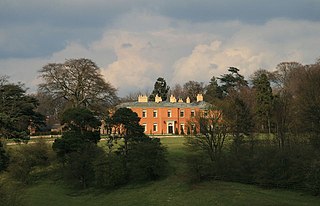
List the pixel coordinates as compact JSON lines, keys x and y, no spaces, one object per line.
{"x":267,"y":131}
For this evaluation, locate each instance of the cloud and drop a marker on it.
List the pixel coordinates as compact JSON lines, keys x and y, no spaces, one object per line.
{"x":252,"y":47}
{"x":140,"y":46}
{"x":38,"y":28}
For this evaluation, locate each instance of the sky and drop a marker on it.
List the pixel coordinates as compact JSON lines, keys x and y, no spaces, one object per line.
{"x":136,"y":41}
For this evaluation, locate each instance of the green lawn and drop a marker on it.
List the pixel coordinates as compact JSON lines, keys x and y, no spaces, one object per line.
{"x":173,"y":190}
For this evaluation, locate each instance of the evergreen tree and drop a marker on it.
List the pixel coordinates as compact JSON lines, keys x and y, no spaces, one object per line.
{"x":238,"y":117}
{"x":81,"y":128}
{"x":127,"y":124}
{"x":161,"y":89}
{"x":77,"y":148}
{"x":17,"y":112}
{"x":232,"y":81}
{"x":213,"y":91}
{"x":264,"y":99}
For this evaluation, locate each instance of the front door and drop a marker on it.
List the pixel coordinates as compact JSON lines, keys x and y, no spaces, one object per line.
{"x":170,"y":128}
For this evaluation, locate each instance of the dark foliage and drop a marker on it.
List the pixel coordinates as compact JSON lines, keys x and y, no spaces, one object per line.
{"x":79,"y":166}
{"x":161,"y":89}
{"x":4,"y":157}
{"x":81,"y":128}
{"x":17,"y":112}
{"x":213,"y":91}
{"x":286,"y":105}
{"x":146,"y":160}
{"x":25,"y":160}
{"x":232,"y":81}
{"x":110,"y":171}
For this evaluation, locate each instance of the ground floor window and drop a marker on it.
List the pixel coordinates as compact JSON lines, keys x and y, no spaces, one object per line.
{"x":193,"y":128}
{"x":155,"y":127}
{"x":182,"y":129}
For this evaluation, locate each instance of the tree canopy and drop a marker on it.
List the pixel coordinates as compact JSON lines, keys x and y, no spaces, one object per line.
{"x":81,"y":128}
{"x":17,"y":111}
{"x":232,"y":81}
{"x":161,"y":89}
{"x":264,"y":100}
{"x":213,"y":91}
{"x":78,"y":81}
{"x":127,"y":125}
{"x":212,"y":133}
{"x":80,"y":119}
{"x":192,"y":89}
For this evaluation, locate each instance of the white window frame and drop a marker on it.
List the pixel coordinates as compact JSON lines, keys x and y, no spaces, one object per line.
{"x":155,"y":127}
{"x":144,"y":113}
{"x":181,"y":112}
{"x":182,"y":128}
{"x":155,"y":113}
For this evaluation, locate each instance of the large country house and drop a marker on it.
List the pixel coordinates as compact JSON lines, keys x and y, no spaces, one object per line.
{"x":166,"y":117}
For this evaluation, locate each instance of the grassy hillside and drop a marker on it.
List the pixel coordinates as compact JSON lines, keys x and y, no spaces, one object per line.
{"x":174,"y":190}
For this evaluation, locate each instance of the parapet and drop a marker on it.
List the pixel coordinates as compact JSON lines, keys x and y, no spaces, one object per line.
{"x":142,"y":98}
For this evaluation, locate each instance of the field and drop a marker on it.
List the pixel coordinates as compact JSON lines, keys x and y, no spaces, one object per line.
{"x":173,"y":190}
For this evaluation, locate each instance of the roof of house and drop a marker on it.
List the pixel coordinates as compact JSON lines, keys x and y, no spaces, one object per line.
{"x":200,"y":105}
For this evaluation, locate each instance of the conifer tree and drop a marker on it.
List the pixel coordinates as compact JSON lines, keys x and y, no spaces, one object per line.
{"x":264,"y":99}
{"x":161,"y":89}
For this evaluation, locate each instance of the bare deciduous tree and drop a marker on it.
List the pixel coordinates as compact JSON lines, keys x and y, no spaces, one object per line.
{"x":211,"y":133}
{"x":79,"y":82}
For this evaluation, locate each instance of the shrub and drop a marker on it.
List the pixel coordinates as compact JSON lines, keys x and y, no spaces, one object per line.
{"x":4,"y":157}
{"x":109,"y":171}
{"x":313,"y":177}
{"x":79,"y":168}
{"x":26,"y":158}
{"x":146,"y":160}
{"x":199,"y":168}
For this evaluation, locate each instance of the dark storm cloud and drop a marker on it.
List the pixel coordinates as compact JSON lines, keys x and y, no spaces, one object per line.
{"x":39,"y":28}
{"x":252,"y":11}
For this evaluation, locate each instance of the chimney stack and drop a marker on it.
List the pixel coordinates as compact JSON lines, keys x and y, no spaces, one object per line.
{"x":173,"y":99}
{"x":199,"y":98}
{"x":142,"y":98}
{"x":158,"y":99}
